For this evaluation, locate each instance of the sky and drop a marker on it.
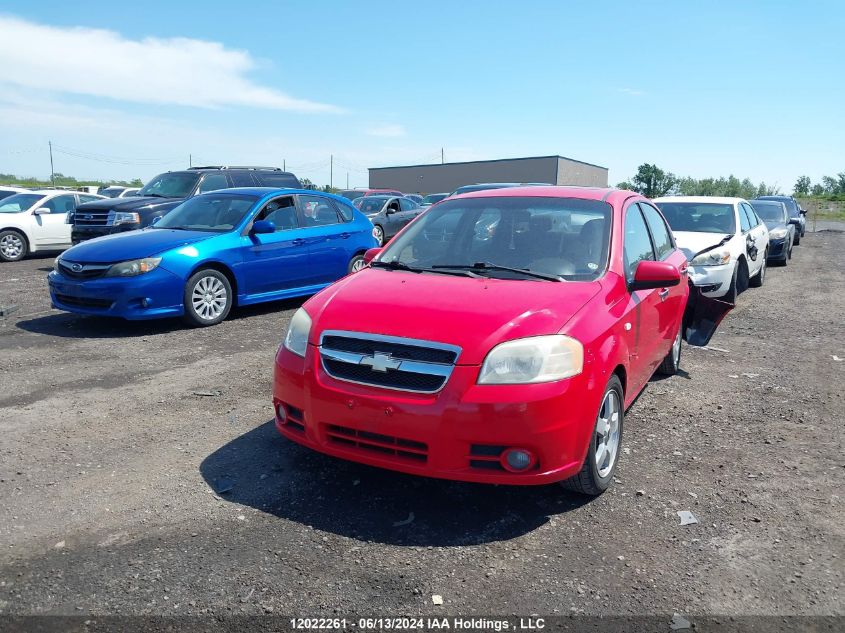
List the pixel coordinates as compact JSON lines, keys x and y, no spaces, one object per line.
{"x":126,"y":90}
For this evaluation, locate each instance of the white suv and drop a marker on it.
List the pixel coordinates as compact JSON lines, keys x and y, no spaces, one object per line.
{"x":34,"y":221}
{"x":740,"y":238}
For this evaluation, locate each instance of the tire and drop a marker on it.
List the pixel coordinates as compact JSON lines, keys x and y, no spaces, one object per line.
{"x":592,"y":480}
{"x":733,"y":293}
{"x":355,"y":264}
{"x":207,"y":298}
{"x":742,"y":278}
{"x":13,"y":246}
{"x":797,"y":240}
{"x":672,"y":362}
{"x":760,"y":278}
{"x":378,"y":233}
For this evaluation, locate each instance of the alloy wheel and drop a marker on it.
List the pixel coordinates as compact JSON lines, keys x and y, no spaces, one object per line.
{"x":676,"y":349}
{"x":209,"y":298}
{"x":607,"y":433}
{"x":11,"y":246}
{"x":379,"y":234}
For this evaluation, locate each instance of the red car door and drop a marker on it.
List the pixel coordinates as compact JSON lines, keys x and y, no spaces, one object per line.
{"x":642,"y":320}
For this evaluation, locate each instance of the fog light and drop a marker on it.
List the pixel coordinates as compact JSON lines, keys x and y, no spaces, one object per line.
{"x":517,"y":459}
{"x":281,"y":413}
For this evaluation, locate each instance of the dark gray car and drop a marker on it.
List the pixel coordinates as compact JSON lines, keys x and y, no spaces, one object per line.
{"x":781,"y":228}
{"x":389,"y":214}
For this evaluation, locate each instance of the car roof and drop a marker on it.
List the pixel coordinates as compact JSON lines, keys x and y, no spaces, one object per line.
{"x":767,"y":201}
{"x":552,"y":191}
{"x":701,"y":199}
{"x":260,"y":192}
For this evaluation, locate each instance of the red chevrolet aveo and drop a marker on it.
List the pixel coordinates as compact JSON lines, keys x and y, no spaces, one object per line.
{"x":498,"y":338}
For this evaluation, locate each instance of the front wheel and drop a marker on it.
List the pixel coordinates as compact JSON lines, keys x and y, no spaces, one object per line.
{"x":208,"y":298}
{"x":797,"y":240}
{"x":672,"y":362}
{"x":12,"y":246}
{"x":600,"y":463}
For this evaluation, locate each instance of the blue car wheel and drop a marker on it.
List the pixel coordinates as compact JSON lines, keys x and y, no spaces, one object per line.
{"x":208,"y":298}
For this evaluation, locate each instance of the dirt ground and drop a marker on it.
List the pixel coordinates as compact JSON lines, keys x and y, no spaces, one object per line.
{"x":115,"y":437}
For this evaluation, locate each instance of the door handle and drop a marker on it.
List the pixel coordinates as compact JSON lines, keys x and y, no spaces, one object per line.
{"x":344,"y":236}
{"x":663,"y":294}
{"x":298,"y":241}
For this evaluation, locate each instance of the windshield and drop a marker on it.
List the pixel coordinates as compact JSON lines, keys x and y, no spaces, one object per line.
{"x":111,"y":192}
{"x":209,"y":212}
{"x":770,"y":212}
{"x":371,"y":204}
{"x":171,"y":185}
{"x":699,"y":217}
{"x":563,"y":237}
{"x":434,"y":197}
{"x":20,"y":202}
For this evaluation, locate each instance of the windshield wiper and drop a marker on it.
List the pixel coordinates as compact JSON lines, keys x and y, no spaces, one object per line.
{"x":397,"y":265}
{"x":488,"y":266}
{"x":155,"y":195}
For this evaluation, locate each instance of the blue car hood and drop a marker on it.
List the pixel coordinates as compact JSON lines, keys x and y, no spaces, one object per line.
{"x":133,"y":245}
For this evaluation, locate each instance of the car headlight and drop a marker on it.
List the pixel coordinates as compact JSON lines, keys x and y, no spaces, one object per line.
{"x":712,"y":258}
{"x":123,"y":217}
{"x":133,"y":267}
{"x":296,"y":340}
{"x":56,"y":264}
{"x":531,"y":360}
{"x":777,"y":233}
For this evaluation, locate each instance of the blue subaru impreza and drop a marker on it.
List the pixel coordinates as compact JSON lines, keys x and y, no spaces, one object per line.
{"x":213,"y":251}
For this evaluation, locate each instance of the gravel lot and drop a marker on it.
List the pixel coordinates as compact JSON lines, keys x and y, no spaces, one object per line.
{"x":114,"y":437}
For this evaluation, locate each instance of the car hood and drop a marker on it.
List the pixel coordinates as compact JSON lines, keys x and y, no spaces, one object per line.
{"x":132,"y":245}
{"x":128,"y":204}
{"x":474,"y":314}
{"x":771,"y":226}
{"x":693,"y":242}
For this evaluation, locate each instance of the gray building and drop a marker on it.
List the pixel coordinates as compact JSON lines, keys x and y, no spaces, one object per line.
{"x":556,"y":170}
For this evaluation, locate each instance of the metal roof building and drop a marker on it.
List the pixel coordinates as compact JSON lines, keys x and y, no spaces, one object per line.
{"x":446,"y":177}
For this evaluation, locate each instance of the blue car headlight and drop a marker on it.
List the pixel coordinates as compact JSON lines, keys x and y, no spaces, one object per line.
{"x":133,"y":267}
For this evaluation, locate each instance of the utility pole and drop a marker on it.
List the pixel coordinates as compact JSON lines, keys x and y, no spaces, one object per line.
{"x":442,"y":159}
{"x":347,"y":180}
{"x":331,"y":171}
{"x":284,"y":165}
{"x":52,"y":171}
{"x":190,"y":160}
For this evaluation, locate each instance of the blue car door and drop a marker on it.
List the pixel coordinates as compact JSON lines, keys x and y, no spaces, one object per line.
{"x":327,"y":236}
{"x":275,"y":261}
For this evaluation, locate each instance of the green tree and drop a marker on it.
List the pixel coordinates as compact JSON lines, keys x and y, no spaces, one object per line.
{"x":802,"y":186}
{"x":818,"y":190}
{"x":830,"y":185}
{"x":625,"y":185}
{"x":653,"y":182}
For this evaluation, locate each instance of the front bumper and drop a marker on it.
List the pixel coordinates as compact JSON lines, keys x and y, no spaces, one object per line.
{"x":713,"y":281}
{"x":457,"y":433}
{"x":81,"y":233}
{"x":150,"y":296}
{"x":778,"y":249}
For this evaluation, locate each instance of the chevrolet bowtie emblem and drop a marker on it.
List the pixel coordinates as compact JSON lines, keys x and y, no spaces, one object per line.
{"x":380,"y":362}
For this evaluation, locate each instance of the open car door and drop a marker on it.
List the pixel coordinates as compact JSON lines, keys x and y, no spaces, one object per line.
{"x":703,"y":314}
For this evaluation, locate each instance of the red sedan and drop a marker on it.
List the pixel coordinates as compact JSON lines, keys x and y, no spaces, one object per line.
{"x":498,"y":338}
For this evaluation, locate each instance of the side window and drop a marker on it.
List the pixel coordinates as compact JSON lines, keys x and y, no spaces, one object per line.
{"x":212,"y":182}
{"x":317,"y":211}
{"x":407,"y":205}
{"x":277,"y":179}
{"x":752,"y":215}
{"x":638,"y":246}
{"x":241,"y":179}
{"x":281,"y":212}
{"x":344,"y":209}
{"x":663,"y":244}
{"x":744,"y":222}
{"x":84,"y":198}
{"x":60,"y":204}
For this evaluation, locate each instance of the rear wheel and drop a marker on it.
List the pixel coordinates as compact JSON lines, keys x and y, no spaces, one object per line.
{"x":208,"y":298}
{"x":603,"y":452}
{"x":356,"y":264}
{"x":758,"y":279}
{"x":672,"y":362}
{"x":378,"y":233}
{"x":13,"y":246}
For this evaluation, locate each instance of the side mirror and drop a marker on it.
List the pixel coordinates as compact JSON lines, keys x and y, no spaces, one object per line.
{"x":651,"y":274}
{"x":802,"y":211}
{"x":263,"y":226}
{"x":41,"y":211}
{"x":795,"y":221}
{"x":370,"y":254}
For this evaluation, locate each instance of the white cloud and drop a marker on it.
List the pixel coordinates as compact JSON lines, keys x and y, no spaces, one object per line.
{"x":388,"y":130}
{"x":101,"y":63}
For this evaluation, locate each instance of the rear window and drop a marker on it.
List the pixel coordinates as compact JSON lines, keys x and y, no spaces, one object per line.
{"x":276,"y":179}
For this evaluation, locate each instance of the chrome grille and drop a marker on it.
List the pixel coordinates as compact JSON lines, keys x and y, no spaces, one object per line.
{"x":92,"y":218}
{"x":386,"y":361}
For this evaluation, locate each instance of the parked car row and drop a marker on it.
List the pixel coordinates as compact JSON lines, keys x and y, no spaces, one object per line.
{"x":496,"y":336}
